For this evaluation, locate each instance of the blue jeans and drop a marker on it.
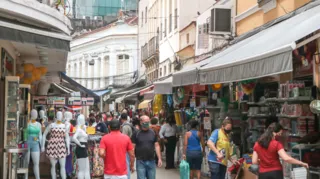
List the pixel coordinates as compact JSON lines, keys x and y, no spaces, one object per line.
{"x":146,"y":169}
{"x":128,"y":165}
{"x":217,"y":171}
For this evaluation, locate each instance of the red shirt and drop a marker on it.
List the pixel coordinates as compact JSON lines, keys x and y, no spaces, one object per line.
{"x":116,"y":145}
{"x":269,"y":158}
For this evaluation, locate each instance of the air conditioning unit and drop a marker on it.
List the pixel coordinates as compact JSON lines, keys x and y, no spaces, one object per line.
{"x":220,"y":21}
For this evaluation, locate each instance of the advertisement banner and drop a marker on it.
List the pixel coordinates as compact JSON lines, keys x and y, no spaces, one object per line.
{"x":53,"y":100}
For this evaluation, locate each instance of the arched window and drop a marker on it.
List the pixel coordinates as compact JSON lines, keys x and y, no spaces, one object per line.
{"x":106,"y":66}
{"x":122,"y":64}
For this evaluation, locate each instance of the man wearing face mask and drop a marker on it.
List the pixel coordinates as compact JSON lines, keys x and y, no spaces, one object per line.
{"x":220,"y":150}
{"x":145,"y":143}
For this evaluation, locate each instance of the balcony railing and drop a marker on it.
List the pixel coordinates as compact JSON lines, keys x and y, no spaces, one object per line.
{"x":150,"y":49}
{"x":118,"y":81}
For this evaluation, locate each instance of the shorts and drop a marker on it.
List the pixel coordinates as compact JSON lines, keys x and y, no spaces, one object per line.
{"x":82,"y":152}
{"x":194,"y":158}
{"x":115,"y":176}
{"x":33,"y":144}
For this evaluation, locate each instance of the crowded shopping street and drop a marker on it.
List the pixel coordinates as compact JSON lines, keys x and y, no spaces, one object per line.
{"x":160,"y":89}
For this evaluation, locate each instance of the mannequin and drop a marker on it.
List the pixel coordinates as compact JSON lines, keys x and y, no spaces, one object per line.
{"x":58,"y":145}
{"x":43,"y":117}
{"x":81,"y":139}
{"x":69,"y":126}
{"x":34,"y":140}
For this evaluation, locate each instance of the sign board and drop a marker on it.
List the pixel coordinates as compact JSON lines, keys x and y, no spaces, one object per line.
{"x":39,"y":100}
{"x":74,"y":101}
{"x":53,"y":100}
{"x":87,"y":101}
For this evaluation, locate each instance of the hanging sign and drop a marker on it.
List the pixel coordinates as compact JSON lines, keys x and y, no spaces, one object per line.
{"x":56,"y":100}
{"x":203,"y":102}
{"x":74,"y":101}
{"x":192,"y":102}
{"x":207,"y":123}
{"x":39,"y":100}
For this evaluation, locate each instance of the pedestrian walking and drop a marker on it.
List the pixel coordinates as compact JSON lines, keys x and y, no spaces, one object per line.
{"x":219,"y":145}
{"x":127,"y":129}
{"x":113,"y":149}
{"x":145,"y":144}
{"x":101,"y":125}
{"x":193,"y":141}
{"x":168,"y":133}
{"x":267,"y":151}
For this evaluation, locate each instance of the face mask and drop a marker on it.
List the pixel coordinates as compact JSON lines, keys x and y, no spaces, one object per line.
{"x":227,"y":131}
{"x":145,"y":125}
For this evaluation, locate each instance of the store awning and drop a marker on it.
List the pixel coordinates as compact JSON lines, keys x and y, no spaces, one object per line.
{"x":23,"y":34}
{"x":101,"y":93}
{"x":188,"y":75}
{"x":74,"y":108}
{"x":144,"y":104}
{"x":144,"y":90}
{"x":266,"y":53}
{"x":164,"y":86}
{"x":148,"y":95}
{"x":76,"y":84}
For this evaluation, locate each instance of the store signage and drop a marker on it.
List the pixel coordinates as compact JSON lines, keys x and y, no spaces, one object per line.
{"x":87,"y":101}
{"x":53,"y":100}
{"x":39,"y":100}
{"x":207,"y":123}
{"x":74,"y":101}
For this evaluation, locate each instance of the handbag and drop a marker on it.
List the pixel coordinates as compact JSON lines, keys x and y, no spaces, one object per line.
{"x":254,"y":168}
{"x":184,"y":170}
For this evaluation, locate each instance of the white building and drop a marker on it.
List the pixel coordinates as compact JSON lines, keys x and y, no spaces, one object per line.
{"x":174,"y":16}
{"x":105,"y":57}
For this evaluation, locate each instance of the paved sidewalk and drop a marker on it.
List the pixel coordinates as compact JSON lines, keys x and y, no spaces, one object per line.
{"x":162,"y":173}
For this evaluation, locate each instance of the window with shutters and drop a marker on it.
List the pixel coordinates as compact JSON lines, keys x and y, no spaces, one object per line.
{"x":175,"y":18}
{"x":160,"y":74}
{"x":188,"y":38}
{"x":122,"y":64}
{"x":203,"y":36}
{"x":165,"y":28}
{"x":164,"y":70}
{"x":141,"y":19}
{"x":146,"y":20}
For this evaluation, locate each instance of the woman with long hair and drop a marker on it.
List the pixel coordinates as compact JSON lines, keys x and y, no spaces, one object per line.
{"x":193,"y":140}
{"x":268,"y":151}
{"x":168,"y":133}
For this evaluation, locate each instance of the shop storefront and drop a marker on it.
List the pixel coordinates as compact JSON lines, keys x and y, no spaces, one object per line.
{"x":270,"y":76}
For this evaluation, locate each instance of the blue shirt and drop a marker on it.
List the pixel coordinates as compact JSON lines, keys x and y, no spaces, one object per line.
{"x":213,"y":138}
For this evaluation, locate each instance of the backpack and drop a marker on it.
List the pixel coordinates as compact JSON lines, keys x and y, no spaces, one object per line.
{"x":133,"y":129}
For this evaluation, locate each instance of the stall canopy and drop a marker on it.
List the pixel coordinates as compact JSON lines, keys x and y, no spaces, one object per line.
{"x":266,"y":53}
{"x":77,"y":85}
{"x":163,"y":87}
{"x":188,"y":75}
{"x":102,"y":92}
{"x":144,"y":104}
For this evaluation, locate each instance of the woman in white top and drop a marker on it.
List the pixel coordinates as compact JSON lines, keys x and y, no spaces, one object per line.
{"x":168,"y":133}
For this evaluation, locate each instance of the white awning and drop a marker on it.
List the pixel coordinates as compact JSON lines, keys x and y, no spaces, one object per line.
{"x":163,"y":87}
{"x":266,"y":53}
{"x":189,"y":74}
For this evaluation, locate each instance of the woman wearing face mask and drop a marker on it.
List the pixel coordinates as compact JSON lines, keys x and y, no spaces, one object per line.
{"x":168,"y":133}
{"x":220,"y":149}
{"x":267,"y":152}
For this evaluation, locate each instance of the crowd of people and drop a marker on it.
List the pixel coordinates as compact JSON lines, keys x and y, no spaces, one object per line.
{"x":137,"y":139}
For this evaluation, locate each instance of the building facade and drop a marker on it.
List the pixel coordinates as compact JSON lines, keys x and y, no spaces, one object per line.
{"x":175,"y":15}
{"x":149,"y":33}
{"x":105,"y":57}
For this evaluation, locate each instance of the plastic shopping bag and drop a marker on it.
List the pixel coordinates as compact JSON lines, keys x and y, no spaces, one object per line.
{"x":184,"y":170}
